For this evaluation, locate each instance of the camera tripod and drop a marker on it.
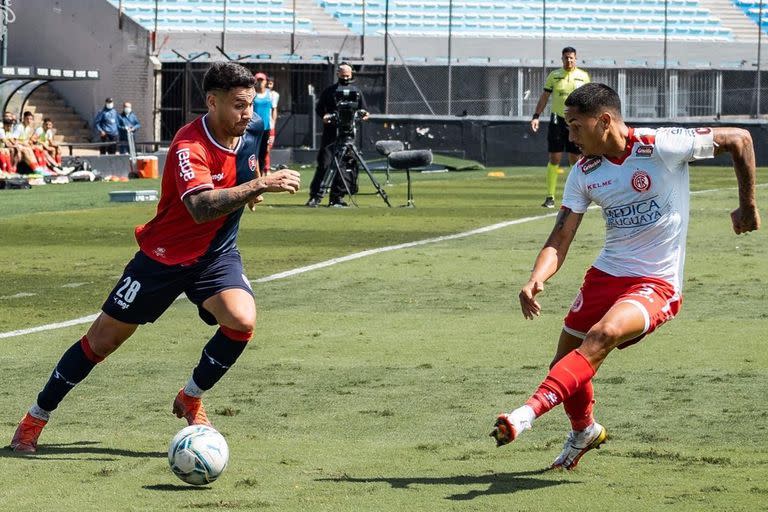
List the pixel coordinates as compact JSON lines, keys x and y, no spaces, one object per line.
{"x":345,"y":151}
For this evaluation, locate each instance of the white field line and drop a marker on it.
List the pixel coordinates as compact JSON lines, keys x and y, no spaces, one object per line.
{"x":18,"y":295}
{"x":333,"y":261}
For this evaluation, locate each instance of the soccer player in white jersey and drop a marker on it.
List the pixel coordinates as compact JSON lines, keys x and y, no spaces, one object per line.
{"x":639,"y":177}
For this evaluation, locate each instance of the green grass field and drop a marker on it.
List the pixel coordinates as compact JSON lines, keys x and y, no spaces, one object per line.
{"x":372,"y":384}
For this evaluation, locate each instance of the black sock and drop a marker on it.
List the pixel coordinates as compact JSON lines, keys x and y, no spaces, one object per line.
{"x":74,"y":366}
{"x":219,"y":354}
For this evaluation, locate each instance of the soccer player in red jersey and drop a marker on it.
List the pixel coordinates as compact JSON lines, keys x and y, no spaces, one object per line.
{"x":639,"y":177}
{"x":190,"y":246}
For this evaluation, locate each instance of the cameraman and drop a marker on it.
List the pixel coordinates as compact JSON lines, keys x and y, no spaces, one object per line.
{"x":326,"y":108}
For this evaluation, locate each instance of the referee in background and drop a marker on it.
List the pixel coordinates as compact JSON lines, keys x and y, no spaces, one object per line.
{"x":560,"y":83}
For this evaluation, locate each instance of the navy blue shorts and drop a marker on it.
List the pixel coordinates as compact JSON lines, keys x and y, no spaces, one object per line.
{"x":147,"y":287}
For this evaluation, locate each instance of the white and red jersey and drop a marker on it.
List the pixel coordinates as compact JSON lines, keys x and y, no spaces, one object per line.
{"x":644,"y":196}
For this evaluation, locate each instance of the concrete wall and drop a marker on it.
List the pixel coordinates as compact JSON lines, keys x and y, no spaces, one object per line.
{"x":84,"y":34}
{"x":527,"y":51}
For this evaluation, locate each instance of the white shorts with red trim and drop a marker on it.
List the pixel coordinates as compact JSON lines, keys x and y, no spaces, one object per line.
{"x":656,"y":299}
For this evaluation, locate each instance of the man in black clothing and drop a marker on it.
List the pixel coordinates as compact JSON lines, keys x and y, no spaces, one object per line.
{"x":326,"y":107}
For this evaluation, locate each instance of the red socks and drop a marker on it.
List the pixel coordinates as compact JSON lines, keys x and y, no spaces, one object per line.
{"x":563,"y":384}
{"x":579,"y":405}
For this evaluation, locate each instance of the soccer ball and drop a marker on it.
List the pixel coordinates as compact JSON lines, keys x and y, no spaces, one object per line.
{"x":198,"y":454}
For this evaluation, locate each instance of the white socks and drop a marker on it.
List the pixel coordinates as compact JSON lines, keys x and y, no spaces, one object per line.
{"x":39,"y":413}
{"x":192,"y":389}
{"x":522,"y":418}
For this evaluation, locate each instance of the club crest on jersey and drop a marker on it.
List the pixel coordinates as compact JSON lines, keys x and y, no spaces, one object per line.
{"x":641,"y":181}
{"x":645,"y":151}
{"x":591,"y":164}
{"x":252,"y":162}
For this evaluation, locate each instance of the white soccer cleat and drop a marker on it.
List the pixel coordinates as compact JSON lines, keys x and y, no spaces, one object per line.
{"x":579,"y":443}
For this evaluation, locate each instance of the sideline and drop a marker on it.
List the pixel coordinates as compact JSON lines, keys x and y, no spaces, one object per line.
{"x":342,"y":259}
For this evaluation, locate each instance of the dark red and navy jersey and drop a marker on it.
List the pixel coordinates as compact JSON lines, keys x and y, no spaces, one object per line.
{"x":197,"y":162}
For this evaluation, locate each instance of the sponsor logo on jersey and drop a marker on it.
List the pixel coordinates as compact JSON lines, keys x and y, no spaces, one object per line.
{"x":159,"y":252}
{"x":252,"y":162}
{"x":185,"y":167}
{"x":633,"y":215}
{"x":217,"y":177}
{"x":591,"y":164}
{"x":599,"y":184}
{"x":641,"y":181}
{"x":644,"y":151}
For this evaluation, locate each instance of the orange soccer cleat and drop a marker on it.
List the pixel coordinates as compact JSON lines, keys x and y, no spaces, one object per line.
{"x":190,"y":408}
{"x":504,"y":431}
{"x":27,"y":433}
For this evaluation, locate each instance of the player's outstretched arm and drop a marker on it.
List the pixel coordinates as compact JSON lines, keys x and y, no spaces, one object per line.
{"x":738,"y":142}
{"x":549,"y":260}
{"x":207,"y":205}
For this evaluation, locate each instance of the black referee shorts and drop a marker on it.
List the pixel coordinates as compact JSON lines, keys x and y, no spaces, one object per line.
{"x":557,"y":137}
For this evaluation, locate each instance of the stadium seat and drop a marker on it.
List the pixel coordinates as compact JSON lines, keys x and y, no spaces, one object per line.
{"x":632,"y":19}
{"x":251,"y":16}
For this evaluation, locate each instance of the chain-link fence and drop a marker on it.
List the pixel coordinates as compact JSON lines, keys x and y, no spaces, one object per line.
{"x":514,"y":92}
{"x":674,"y":59}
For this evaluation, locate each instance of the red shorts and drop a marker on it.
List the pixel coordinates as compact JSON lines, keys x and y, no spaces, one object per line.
{"x":656,"y":299}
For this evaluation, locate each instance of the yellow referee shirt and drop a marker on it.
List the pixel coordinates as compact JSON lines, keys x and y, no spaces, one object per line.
{"x":560,"y":83}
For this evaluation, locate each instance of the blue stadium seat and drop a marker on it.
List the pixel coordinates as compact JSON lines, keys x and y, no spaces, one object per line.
{"x":630,"y":19}
{"x":255,"y":16}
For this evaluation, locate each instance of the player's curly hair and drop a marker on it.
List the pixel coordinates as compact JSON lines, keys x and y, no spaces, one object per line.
{"x":223,"y":76}
{"x":593,"y":99}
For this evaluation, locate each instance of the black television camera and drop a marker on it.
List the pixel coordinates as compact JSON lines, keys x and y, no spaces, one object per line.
{"x":347,"y":112}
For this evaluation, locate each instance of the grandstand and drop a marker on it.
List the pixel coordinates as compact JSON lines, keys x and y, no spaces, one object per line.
{"x":682,"y":60}
{"x":753,"y":9}
{"x":200,"y":16}
{"x":524,"y":18}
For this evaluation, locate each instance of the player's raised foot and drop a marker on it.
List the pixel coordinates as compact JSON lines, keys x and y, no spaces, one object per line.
{"x":549,"y":202}
{"x":27,"y":433}
{"x":191,"y":409}
{"x":503,"y":430}
{"x":579,"y":443}
{"x":508,"y":427}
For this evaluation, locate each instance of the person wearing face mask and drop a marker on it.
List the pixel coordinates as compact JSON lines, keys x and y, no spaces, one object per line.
{"x":127,"y":122}
{"x":326,"y":107}
{"x":105,"y":124}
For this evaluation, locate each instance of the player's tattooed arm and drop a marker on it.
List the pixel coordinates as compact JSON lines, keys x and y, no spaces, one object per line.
{"x":209,"y":204}
{"x":566,"y":225}
{"x":549,"y":260}
{"x":552,"y":255}
{"x":738,"y":142}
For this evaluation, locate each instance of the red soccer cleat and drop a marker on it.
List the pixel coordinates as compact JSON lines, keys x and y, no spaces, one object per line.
{"x":27,"y":433}
{"x":190,"y":408}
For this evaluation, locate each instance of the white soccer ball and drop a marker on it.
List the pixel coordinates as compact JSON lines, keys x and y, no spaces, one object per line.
{"x":198,"y":454}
